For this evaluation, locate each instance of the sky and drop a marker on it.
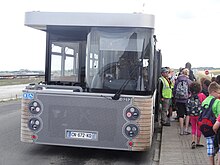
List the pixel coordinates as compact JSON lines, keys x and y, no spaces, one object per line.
{"x":186,"y":30}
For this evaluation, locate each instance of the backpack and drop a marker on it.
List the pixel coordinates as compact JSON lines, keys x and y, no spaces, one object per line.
{"x":182,"y":90}
{"x":207,"y":119}
{"x":193,"y":106}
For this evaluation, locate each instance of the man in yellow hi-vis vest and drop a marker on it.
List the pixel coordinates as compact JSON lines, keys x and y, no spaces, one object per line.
{"x":164,"y":96}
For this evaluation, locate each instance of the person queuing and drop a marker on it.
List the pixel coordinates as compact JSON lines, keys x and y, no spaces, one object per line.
{"x":214,"y":92}
{"x":181,"y":94}
{"x":205,"y":84}
{"x":217,"y":79}
{"x":191,"y":74}
{"x":164,"y":95}
{"x":193,"y":107}
{"x":171,"y":77}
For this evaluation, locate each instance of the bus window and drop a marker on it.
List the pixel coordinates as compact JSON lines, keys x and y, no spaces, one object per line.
{"x":64,"y":61}
{"x":122,"y":54}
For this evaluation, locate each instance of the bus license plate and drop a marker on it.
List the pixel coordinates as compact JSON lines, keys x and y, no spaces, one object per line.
{"x":84,"y":135}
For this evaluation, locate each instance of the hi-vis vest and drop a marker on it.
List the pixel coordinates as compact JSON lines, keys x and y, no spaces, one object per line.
{"x":166,"y":91}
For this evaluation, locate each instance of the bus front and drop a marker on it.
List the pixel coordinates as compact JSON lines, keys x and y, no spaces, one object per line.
{"x":99,"y":85}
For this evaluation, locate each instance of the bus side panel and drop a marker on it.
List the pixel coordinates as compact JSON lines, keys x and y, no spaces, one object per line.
{"x":26,"y":133}
{"x":146,"y":124}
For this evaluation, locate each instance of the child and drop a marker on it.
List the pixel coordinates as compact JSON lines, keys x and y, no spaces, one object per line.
{"x":214,"y":92}
{"x":205,"y":86}
{"x":193,"y":108}
{"x":216,"y":130}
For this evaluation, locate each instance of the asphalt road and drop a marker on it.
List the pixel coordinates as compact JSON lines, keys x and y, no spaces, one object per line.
{"x":15,"y":152}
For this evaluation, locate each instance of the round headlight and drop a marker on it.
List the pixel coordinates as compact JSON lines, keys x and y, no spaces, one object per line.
{"x":34,"y":107}
{"x":34,"y":124}
{"x":131,"y":130}
{"x":132,"y":113}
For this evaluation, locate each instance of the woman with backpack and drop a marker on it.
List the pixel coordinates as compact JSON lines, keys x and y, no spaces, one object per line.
{"x":181,"y":94}
{"x":193,"y":108}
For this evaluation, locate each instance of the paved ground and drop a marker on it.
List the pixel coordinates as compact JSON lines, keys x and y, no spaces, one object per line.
{"x":176,"y":149}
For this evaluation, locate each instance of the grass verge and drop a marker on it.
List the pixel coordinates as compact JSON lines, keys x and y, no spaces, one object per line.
{"x":17,"y":81}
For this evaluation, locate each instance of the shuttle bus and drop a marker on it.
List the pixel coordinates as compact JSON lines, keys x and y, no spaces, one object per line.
{"x":99,"y":91}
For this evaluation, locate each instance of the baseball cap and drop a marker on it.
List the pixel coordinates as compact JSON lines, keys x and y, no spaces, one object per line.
{"x":164,"y":70}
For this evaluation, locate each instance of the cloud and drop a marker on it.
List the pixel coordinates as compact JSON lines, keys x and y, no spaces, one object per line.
{"x":186,"y":30}
{"x":185,"y":15}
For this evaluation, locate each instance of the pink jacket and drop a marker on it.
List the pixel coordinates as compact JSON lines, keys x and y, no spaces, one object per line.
{"x":202,"y":97}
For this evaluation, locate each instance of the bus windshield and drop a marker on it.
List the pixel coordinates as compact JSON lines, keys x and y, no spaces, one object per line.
{"x":115,"y":56}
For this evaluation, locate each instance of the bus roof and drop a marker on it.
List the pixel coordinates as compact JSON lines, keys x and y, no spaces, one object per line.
{"x":40,"y":20}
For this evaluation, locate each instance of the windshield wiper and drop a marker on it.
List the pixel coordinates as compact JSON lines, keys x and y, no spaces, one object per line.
{"x":118,"y":93}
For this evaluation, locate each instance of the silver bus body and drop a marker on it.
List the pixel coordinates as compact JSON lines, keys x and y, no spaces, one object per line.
{"x":88,"y":99}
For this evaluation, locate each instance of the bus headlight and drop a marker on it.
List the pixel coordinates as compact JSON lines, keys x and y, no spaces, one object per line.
{"x":131,"y":130}
{"x":34,"y":124}
{"x":34,"y":107}
{"x":132,"y":113}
